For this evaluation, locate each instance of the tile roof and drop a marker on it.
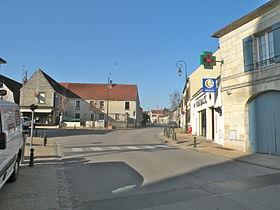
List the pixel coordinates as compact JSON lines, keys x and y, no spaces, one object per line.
{"x":59,"y":88}
{"x":118,"y":92}
{"x":159,"y":112}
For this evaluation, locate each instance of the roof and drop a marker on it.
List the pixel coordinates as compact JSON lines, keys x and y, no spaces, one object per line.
{"x":247,"y":18}
{"x":59,"y":88}
{"x":13,"y":85}
{"x":157,"y":111}
{"x":118,"y":92}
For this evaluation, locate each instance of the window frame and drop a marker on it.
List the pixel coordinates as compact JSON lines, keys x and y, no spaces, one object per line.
{"x":125,"y":107}
{"x":40,"y":98}
{"x":77,"y":107}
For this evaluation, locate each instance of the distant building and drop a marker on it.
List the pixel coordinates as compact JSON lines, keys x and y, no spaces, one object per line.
{"x":122,"y":101}
{"x":157,"y":116}
{"x":12,"y":87}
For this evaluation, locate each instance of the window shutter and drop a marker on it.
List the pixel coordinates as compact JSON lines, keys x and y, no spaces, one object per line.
{"x":276,"y":40}
{"x":248,"y":53}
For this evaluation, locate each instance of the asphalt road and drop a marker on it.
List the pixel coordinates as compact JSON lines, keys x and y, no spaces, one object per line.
{"x":132,"y":169}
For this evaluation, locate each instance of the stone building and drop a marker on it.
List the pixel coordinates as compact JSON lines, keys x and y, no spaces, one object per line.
{"x":250,"y":79}
{"x":51,"y":98}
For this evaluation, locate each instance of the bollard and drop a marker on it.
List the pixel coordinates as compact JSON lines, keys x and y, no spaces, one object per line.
{"x":175,"y":136}
{"x":31,"y":161}
{"x":36,"y":133}
{"x":194,"y":142}
{"x":45,"y":139}
{"x":74,"y":127}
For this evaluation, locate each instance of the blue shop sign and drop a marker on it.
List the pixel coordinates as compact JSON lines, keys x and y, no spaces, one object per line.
{"x":209,"y":85}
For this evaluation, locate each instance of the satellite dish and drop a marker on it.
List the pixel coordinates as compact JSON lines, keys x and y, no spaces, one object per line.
{"x":3,"y":92}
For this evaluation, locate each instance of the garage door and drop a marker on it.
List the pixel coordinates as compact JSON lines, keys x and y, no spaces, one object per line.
{"x":264,"y":123}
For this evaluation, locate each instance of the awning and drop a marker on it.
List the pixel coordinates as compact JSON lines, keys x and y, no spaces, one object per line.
{"x":37,"y":110}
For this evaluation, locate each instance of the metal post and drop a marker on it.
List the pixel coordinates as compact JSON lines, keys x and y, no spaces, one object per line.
{"x":107,"y":111}
{"x":45,"y":139}
{"x":32,"y":125}
{"x":194,"y":142}
{"x":31,"y":161}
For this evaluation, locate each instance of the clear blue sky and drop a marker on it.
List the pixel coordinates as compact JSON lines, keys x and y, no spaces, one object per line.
{"x":138,"y":41}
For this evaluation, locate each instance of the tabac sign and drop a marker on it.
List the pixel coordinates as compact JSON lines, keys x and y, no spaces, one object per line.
{"x":209,"y":85}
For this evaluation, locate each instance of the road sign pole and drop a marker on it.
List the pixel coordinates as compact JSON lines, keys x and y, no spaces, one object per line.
{"x":32,"y":125}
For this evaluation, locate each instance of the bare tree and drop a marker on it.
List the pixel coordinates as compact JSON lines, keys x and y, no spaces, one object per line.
{"x":174,"y":99}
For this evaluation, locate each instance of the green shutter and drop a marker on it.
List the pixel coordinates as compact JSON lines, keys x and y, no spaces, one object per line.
{"x":276,"y":40}
{"x":248,"y":53}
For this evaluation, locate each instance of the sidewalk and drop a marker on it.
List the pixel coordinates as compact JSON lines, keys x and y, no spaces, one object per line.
{"x":185,"y":142}
{"x":40,"y":152}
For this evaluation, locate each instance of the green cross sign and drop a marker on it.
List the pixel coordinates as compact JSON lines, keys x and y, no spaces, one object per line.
{"x":208,"y":60}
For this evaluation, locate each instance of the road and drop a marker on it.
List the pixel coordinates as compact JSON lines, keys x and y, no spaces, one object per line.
{"x":133,"y":169}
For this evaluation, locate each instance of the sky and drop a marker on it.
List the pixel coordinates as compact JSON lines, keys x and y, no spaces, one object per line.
{"x":134,"y":41}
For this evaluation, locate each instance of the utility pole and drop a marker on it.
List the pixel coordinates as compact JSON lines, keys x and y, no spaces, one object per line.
{"x":109,"y":83}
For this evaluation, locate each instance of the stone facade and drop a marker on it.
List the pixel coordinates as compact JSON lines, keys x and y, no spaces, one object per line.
{"x":47,"y":112}
{"x":240,"y":87}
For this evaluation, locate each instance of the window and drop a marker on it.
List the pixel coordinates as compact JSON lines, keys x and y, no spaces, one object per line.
{"x":134,"y":113}
{"x":78,"y":105}
{"x":92,"y":117}
{"x":265,"y":48}
{"x":117,"y":116}
{"x":126,"y":105}
{"x":41,"y":98}
{"x":101,"y":116}
{"x":101,"y":104}
{"x":77,"y":116}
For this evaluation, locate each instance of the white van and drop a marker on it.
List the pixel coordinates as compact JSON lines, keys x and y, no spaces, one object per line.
{"x":11,"y":141}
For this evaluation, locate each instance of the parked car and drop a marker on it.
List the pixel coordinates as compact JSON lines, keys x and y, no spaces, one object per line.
{"x":11,"y":141}
{"x":26,"y":122}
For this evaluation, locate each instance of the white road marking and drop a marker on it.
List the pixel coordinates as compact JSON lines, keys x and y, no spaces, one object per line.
{"x":149,"y":147}
{"x":96,"y":149}
{"x":114,"y":148}
{"x":123,"y":189}
{"x":132,"y":147}
{"x":77,"y":149}
{"x":162,"y":146}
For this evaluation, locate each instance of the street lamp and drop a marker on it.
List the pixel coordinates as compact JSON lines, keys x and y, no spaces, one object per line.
{"x":181,"y":65}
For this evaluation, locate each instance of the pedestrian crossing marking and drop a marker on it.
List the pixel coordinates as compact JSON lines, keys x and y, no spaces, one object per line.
{"x":121,"y":147}
{"x":114,"y":148}
{"x":96,"y":149}
{"x":77,"y":149}
{"x":149,"y":147}
{"x":132,"y":147}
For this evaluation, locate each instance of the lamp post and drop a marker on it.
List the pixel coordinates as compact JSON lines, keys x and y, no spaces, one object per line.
{"x":109,"y":86}
{"x":182,"y":65}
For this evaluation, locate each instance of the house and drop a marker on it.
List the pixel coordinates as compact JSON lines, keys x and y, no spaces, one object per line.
{"x":12,"y":87}
{"x":205,"y":109}
{"x":156,"y":116}
{"x":115,"y":104}
{"x":51,"y":98}
{"x":250,"y":80}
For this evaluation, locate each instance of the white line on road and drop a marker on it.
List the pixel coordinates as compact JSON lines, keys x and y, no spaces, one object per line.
{"x":123,"y":189}
{"x":162,"y":146}
{"x":114,"y":148}
{"x":77,"y":149}
{"x":96,"y":149}
{"x":149,"y":147}
{"x":132,"y":147}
